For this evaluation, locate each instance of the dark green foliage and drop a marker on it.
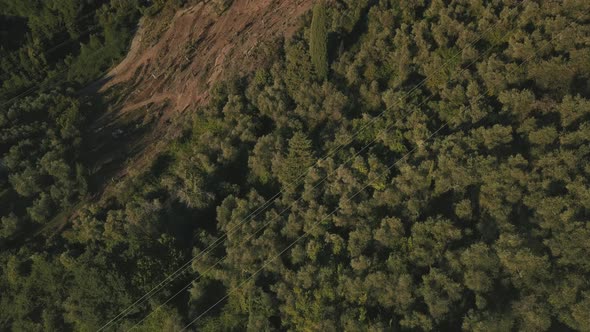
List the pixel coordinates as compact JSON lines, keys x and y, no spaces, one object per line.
{"x":63,"y":39}
{"x":484,"y":226}
{"x":39,"y":146}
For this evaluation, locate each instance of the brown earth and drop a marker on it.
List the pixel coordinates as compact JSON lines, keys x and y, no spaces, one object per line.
{"x":172,"y":62}
{"x":198,"y":48}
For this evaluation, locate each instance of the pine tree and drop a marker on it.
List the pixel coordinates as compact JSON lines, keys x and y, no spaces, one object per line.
{"x":318,"y":45}
{"x":296,"y":162}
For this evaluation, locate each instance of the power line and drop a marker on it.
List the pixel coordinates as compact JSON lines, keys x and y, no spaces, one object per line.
{"x":305,"y":233}
{"x":301,"y":198}
{"x":180,"y":270}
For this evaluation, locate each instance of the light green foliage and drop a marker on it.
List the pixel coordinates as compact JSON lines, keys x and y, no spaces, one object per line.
{"x":430,"y":239}
{"x":165,"y":319}
{"x":8,"y":226}
{"x":439,"y":293}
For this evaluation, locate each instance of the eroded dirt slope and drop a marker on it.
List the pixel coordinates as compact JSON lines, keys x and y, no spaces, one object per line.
{"x":199,"y":48}
{"x":164,"y":78}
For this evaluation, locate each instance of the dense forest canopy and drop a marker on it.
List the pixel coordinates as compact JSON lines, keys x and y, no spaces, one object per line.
{"x":395,"y":165}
